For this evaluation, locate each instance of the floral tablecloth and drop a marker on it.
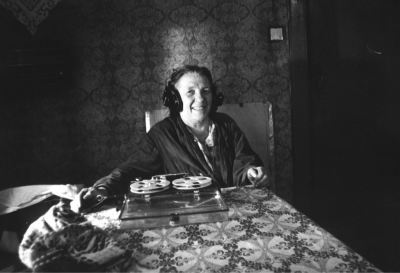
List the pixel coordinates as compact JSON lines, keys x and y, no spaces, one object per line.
{"x":264,"y":233}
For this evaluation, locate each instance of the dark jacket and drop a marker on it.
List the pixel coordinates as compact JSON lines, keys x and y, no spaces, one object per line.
{"x":170,"y":148}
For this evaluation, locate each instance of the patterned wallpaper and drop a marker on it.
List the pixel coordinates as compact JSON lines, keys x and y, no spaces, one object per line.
{"x":122,"y":53}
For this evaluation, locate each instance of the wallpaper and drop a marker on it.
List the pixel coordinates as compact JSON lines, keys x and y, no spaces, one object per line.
{"x":122,"y":52}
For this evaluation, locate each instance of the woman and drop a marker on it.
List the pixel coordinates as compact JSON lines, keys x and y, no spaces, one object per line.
{"x":195,"y":139}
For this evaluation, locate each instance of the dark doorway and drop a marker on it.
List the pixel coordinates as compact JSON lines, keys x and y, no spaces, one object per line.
{"x":354,"y":71}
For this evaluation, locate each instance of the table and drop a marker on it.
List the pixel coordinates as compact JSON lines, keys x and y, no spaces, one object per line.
{"x":264,"y":233}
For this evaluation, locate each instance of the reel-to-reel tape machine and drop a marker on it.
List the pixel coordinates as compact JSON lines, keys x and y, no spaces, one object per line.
{"x":172,"y":199}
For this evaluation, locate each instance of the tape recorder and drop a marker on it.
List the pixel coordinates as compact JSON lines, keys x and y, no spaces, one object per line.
{"x":172,"y":200}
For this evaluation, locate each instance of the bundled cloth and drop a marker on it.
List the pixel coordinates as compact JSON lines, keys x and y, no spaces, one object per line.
{"x":64,"y":241}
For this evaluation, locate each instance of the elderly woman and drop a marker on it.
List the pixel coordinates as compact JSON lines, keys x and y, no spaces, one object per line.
{"x":194,"y":139}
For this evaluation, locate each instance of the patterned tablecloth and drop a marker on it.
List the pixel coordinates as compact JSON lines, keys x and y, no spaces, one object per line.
{"x":264,"y":233}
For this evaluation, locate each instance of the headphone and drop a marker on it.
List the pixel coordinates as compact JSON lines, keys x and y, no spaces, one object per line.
{"x":172,"y":98}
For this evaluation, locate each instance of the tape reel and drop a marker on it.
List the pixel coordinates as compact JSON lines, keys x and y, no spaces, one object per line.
{"x":149,"y":186}
{"x":192,"y":182}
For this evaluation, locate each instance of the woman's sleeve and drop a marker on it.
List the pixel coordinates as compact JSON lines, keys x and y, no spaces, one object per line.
{"x":144,"y":162}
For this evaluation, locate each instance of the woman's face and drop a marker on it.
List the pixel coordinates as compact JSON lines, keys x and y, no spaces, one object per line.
{"x":196,"y":94}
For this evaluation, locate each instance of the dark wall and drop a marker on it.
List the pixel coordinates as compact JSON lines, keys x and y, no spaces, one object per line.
{"x":354,"y":61}
{"x":117,"y":57}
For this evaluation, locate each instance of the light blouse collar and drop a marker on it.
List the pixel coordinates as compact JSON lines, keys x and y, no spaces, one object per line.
{"x":210,"y":138}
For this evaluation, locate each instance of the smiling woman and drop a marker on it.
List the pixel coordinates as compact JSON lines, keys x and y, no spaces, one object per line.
{"x":172,"y":97}
{"x":194,"y":139}
{"x":191,"y":94}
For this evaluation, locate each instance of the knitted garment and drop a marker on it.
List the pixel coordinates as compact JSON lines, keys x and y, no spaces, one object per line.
{"x":63,"y":241}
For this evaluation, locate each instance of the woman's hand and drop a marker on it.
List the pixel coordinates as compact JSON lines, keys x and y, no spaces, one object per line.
{"x":258,"y":176}
{"x":87,"y":197}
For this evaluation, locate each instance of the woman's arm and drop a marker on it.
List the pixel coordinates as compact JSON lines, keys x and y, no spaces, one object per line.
{"x":144,"y":162}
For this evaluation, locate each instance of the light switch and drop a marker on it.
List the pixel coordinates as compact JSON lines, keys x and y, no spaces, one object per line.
{"x":276,"y":34}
